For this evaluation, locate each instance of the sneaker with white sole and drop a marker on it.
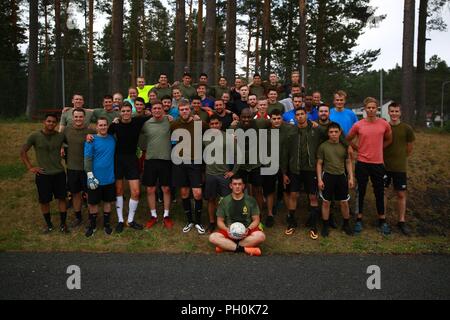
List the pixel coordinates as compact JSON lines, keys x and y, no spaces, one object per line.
{"x":200,"y":229}
{"x":188,"y":227}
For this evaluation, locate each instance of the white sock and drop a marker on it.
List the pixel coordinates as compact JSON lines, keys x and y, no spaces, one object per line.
{"x":133,"y":204}
{"x":154,"y":214}
{"x":166,"y":213}
{"x":119,"y":208}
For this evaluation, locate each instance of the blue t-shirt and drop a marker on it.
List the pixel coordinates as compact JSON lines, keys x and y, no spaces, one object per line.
{"x":207,"y":102}
{"x":101,"y":151}
{"x":174,"y":112}
{"x":289,"y":117}
{"x":346,"y":119}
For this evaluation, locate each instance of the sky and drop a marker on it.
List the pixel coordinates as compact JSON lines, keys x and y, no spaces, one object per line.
{"x":387,"y":36}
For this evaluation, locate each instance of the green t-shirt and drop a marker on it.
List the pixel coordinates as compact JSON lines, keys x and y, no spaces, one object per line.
{"x":162,"y":92}
{"x":275,"y":106}
{"x":396,"y":155}
{"x":67,"y":118}
{"x":258,"y":90}
{"x":216,"y":169}
{"x":99,"y":113}
{"x":334,"y":156}
{"x":238,"y":210}
{"x":187,"y":92}
{"x":157,"y":139}
{"x":219,"y":91}
{"x":202,"y":114}
{"x":75,"y":138}
{"x":48,"y":151}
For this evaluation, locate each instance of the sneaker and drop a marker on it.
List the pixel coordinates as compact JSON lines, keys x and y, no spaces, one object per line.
{"x":385,"y":229}
{"x":313,"y":234}
{"x":76,"y":224}
{"x":219,"y":250}
{"x":107,"y":230}
{"x":358,"y":227}
{"x":332,"y":222}
{"x":200,"y":228}
{"x":188,"y":227}
{"x":404,"y":229}
{"x":90,"y":232}
{"x":325,"y":233}
{"x":134,"y":225}
{"x":150,"y":223}
{"x":168,"y":222}
{"x":119,"y":227}
{"x":347,"y":229}
{"x":211,"y":228}
{"x":253,"y":251}
{"x":48,"y":230}
{"x":269,"y":221}
{"x":64,"y":229}
{"x":291,"y":225}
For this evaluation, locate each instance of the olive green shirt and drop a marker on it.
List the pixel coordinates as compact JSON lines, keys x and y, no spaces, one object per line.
{"x":258,"y":90}
{"x":67,"y":118}
{"x":334,"y":156}
{"x":187,"y":92}
{"x":216,"y":169}
{"x":275,"y":106}
{"x":156,"y":137}
{"x":161,"y":92}
{"x":396,"y":154}
{"x":75,"y":138}
{"x":110,"y":116}
{"x":48,"y":151}
{"x":238,"y":210}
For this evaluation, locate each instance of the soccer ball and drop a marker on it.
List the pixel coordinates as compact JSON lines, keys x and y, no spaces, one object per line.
{"x":237,"y":231}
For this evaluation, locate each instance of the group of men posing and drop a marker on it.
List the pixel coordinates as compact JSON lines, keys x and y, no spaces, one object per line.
{"x":317,"y":146}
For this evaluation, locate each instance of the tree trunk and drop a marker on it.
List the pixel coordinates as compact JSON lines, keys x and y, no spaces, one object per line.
{"x":258,"y":28}
{"x":320,"y":34}
{"x":265,"y":39}
{"x":249,"y":46}
{"x":180,"y":41}
{"x":420,"y":72}
{"x":144,"y":34}
{"x":199,"y":48}
{"x":303,"y":50}
{"x":46,"y":45}
{"x":210,"y":40}
{"x":408,"y":98}
{"x":117,"y":46}
{"x":32,"y":59}
{"x":230,"y":56}
{"x":289,"y":49}
{"x":91,"y":53}
{"x":58,"y":56}
{"x":189,"y":42}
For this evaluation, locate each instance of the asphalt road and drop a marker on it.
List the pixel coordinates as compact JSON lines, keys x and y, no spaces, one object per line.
{"x":222,"y":277}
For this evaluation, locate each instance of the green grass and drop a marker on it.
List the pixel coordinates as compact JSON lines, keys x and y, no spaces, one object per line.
{"x":428,"y":214}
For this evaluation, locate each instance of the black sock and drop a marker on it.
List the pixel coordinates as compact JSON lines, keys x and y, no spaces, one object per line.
{"x":48,"y":220}
{"x":239,"y":249}
{"x":381,"y":221}
{"x":93,"y":219}
{"x":314,"y":212}
{"x":63,"y":216}
{"x":346,"y":222}
{"x":291,"y":214}
{"x":78,"y":215}
{"x":198,"y":211}
{"x":401,"y":223}
{"x":325,"y":223}
{"x":188,"y":209}
{"x":106,"y":216}
{"x":358,"y":219}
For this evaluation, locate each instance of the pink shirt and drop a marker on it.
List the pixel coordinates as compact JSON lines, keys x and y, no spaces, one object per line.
{"x":371,"y":137}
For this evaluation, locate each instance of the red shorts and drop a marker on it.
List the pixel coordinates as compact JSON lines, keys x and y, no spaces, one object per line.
{"x":225,"y":233}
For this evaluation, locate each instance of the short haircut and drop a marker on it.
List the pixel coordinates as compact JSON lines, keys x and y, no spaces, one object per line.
{"x":324,"y":105}
{"x":101,"y":119}
{"x":196,"y":98}
{"x":295,"y":85}
{"x":52,"y":115}
{"x":295,"y":72}
{"x":79,"y":110}
{"x":252,"y":94}
{"x":370,"y":100}
{"x":166,"y":97}
{"x":132,"y":88}
{"x":77,"y":94}
{"x":334,"y":125}
{"x":223,"y":77}
{"x":256,"y":75}
{"x":262,"y":98}
{"x":219,"y":100}
{"x":298,"y":95}
{"x":140,"y":100}
{"x":126,"y":105}
{"x":157,"y":102}
{"x":183,"y":103}
{"x":272,"y":89}
{"x":187,"y":74}
{"x":394,"y":104}
{"x":203,"y":75}
{"x":300,"y":109}
{"x":275,"y":112}
{"x":341,"y":93}
{"x":215,"y":117}
{"x":108,"y":97}
{"x":201,"y":85}
{"x":317,"y":91}
{"x":236,"y":177}
{"x":163,"y":74}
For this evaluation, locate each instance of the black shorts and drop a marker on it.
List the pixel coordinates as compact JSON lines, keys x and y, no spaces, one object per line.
{"x":106,"y":193}
{"x":157,"y":171}
{"x":127,"y":166}
{"x":306,"y":179}
{"x":216,"y":186}
{"x":397,"y":178}
{"x":76,"y":181}
{"x":187,"y":175}
{"x":252,"y":177}
{"x":336,"y":187}
{"x":49,"y":186}
{"x":270,"y":183}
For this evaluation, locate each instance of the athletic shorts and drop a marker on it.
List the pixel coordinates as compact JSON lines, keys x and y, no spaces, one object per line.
{"x":336,"y":187}
{"x":398,"y":179}
{"x":76,"y":181}
{"x":187,"y":175}
{"x":252,"y":177}
{"x":106,"y":193}
{"x":127,"y":166}
{"x":306,"y":179}
{"x":157,"y":171}
{"x":49,"y":186}
{"x":216,"y":186}
{"x":225,"y":234}
{"x":270,"y":183}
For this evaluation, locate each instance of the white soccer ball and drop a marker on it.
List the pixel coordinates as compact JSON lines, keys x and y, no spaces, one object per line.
{"x":237,"y":231}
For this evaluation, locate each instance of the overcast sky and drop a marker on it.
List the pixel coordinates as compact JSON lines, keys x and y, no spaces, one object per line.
{"x":387,"y":36}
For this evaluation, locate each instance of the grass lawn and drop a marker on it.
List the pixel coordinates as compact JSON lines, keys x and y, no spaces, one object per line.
{"x":428,"y":213}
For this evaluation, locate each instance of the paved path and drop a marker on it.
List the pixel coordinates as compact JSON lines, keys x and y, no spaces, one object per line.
{"x":223,"y":277}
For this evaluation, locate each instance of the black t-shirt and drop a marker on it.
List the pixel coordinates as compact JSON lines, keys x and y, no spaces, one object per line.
{"x":127,"y":134}
{"x":239,"y":106}
{"x":227,"y":119}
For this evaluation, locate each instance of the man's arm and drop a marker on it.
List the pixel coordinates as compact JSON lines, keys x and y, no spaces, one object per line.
{"x":221,"y":224}
{"x":349,"y":166}
{"x":387,"y":138}
{"x":255,"y":222}
{"x":351,"y":136}
{"x":319,"y":168}
{"x":409,"y":148}
{"x":27,"y":162}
